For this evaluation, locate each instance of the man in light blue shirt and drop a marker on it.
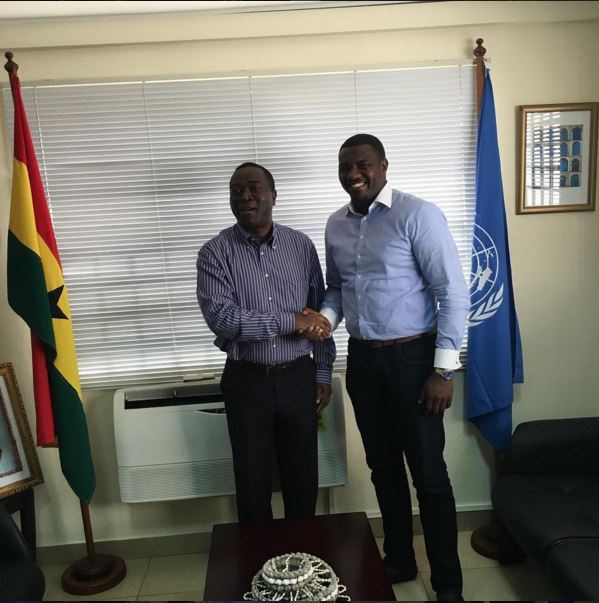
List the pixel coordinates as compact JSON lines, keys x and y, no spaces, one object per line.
{"x":394,"y":273}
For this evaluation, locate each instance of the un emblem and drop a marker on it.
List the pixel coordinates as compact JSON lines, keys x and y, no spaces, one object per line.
{"x":485,"y":297}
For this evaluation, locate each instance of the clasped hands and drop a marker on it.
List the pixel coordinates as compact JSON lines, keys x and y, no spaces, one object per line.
{"x":312,"y":325}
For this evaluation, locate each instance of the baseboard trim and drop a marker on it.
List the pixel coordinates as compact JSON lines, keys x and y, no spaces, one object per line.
{"x":467,"y":521}
{"x":181,"y":544}
{"x":134,"y":548}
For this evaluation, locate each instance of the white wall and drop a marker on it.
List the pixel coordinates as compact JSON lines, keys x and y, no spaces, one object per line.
{"x":540,"y":53}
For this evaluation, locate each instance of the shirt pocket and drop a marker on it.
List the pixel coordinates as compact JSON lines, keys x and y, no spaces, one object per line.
{"x":291,"y":294}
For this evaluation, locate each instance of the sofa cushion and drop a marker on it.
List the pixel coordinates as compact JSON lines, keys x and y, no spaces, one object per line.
{"x":538,"y":510}
{"x":572,"y":566}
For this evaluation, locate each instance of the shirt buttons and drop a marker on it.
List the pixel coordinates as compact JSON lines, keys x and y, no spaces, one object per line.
{"x":262,"y":253}
{"x":361,"y":236}
{"x":266,"y":275}
{"x":274,"y":345}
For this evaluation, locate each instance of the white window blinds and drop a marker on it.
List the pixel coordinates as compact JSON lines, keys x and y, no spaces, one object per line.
{"x":137,"y":175}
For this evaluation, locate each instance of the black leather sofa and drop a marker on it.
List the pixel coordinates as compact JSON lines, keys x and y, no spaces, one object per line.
{"x":20,"y":578}
{"x":547,"y":497}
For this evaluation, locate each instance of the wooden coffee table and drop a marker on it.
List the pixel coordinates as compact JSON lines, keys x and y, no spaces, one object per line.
{"x":344,"y":541}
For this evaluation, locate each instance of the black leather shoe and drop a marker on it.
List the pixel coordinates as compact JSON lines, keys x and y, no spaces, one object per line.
{"x":400,"y":574}
{"x":449,"y":597}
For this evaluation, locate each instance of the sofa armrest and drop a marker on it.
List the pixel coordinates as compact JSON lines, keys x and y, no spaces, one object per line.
{"x":554,"y":446}
{"x":13,"y":544}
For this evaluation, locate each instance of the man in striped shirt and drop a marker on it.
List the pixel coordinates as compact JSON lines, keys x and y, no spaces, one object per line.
{"x":254,"y":281}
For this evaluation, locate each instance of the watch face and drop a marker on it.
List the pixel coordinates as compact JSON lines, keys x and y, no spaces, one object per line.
{"x":448,"y":375}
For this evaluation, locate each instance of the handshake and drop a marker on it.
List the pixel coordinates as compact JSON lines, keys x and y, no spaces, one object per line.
{"x":312,"y":325}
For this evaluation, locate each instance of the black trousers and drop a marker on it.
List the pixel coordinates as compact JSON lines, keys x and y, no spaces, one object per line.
{"x":384,"y":385}
{"x":272,"y":418}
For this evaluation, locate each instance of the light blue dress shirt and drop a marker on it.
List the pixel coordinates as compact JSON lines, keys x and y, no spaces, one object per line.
{"x":395,"y":272}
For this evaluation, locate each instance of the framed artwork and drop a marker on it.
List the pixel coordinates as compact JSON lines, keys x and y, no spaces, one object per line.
{"x":557,"y":160}
{"x":19,"y":465}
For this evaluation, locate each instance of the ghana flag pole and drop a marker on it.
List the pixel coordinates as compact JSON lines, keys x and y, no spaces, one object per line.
{"x":37,"y":293}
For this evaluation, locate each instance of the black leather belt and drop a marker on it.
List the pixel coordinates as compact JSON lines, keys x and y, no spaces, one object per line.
{"x":383,"y":343}
{"x":269,"y":369}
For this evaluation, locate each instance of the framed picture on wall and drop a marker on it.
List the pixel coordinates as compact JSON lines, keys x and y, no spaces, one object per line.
{"x":557,"y":160}
{"x":19,"y":465}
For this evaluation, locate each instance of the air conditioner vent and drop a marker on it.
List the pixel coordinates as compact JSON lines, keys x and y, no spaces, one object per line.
{"x":172,"y":442}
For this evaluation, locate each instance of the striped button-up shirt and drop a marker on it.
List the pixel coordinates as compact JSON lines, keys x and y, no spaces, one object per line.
{"x":249,"y":292}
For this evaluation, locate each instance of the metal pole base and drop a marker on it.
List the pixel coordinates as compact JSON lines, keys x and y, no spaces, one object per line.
{"x":483,"y":541}
{"x":84,"y":578}
{"x":494,"y":542}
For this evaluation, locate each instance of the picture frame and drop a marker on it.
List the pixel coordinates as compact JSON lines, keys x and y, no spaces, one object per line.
{"x":557,"y":159}
{"x":19,"y":465}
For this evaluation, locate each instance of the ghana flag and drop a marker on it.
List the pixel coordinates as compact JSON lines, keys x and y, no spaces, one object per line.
{"x":37,"y":293}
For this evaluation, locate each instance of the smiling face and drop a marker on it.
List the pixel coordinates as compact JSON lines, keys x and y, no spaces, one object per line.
{"x":362,"y":173}
{"x":252,"y":200}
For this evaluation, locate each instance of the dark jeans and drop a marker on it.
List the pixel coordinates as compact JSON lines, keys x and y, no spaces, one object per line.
{"x":384,"y":385}
{"x":273,"y":417}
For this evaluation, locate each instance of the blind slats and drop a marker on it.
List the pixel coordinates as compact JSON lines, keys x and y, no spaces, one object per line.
{"x":137,"y":174}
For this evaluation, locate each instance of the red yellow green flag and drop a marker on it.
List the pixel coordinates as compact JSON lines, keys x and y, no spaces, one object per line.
{"x":37,"y":293}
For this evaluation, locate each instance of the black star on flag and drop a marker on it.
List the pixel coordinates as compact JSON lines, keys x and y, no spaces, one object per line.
{"x":54,"y":297}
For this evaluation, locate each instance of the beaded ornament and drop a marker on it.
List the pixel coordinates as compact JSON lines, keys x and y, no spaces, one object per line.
{"x":296,"y":577}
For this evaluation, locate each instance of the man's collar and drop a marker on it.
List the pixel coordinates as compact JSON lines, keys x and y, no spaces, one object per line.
{"x":384,"y":198}
{"x":247,"y":238}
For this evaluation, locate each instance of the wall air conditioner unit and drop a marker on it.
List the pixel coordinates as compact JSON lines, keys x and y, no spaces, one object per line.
{"x":172,"y":442}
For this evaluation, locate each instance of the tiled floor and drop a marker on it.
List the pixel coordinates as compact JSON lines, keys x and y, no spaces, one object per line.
{"x":484,"y":579}
{"x":181,"y":577}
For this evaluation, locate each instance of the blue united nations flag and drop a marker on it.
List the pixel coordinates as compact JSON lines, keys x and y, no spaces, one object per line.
{"x":494,"y":348}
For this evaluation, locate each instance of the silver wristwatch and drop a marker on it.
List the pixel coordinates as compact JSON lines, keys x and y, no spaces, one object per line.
{"x":445,"y":373}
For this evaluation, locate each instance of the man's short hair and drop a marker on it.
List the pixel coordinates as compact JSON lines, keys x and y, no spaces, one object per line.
{"x":271,"y":180}
{"x":369,"y":139}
